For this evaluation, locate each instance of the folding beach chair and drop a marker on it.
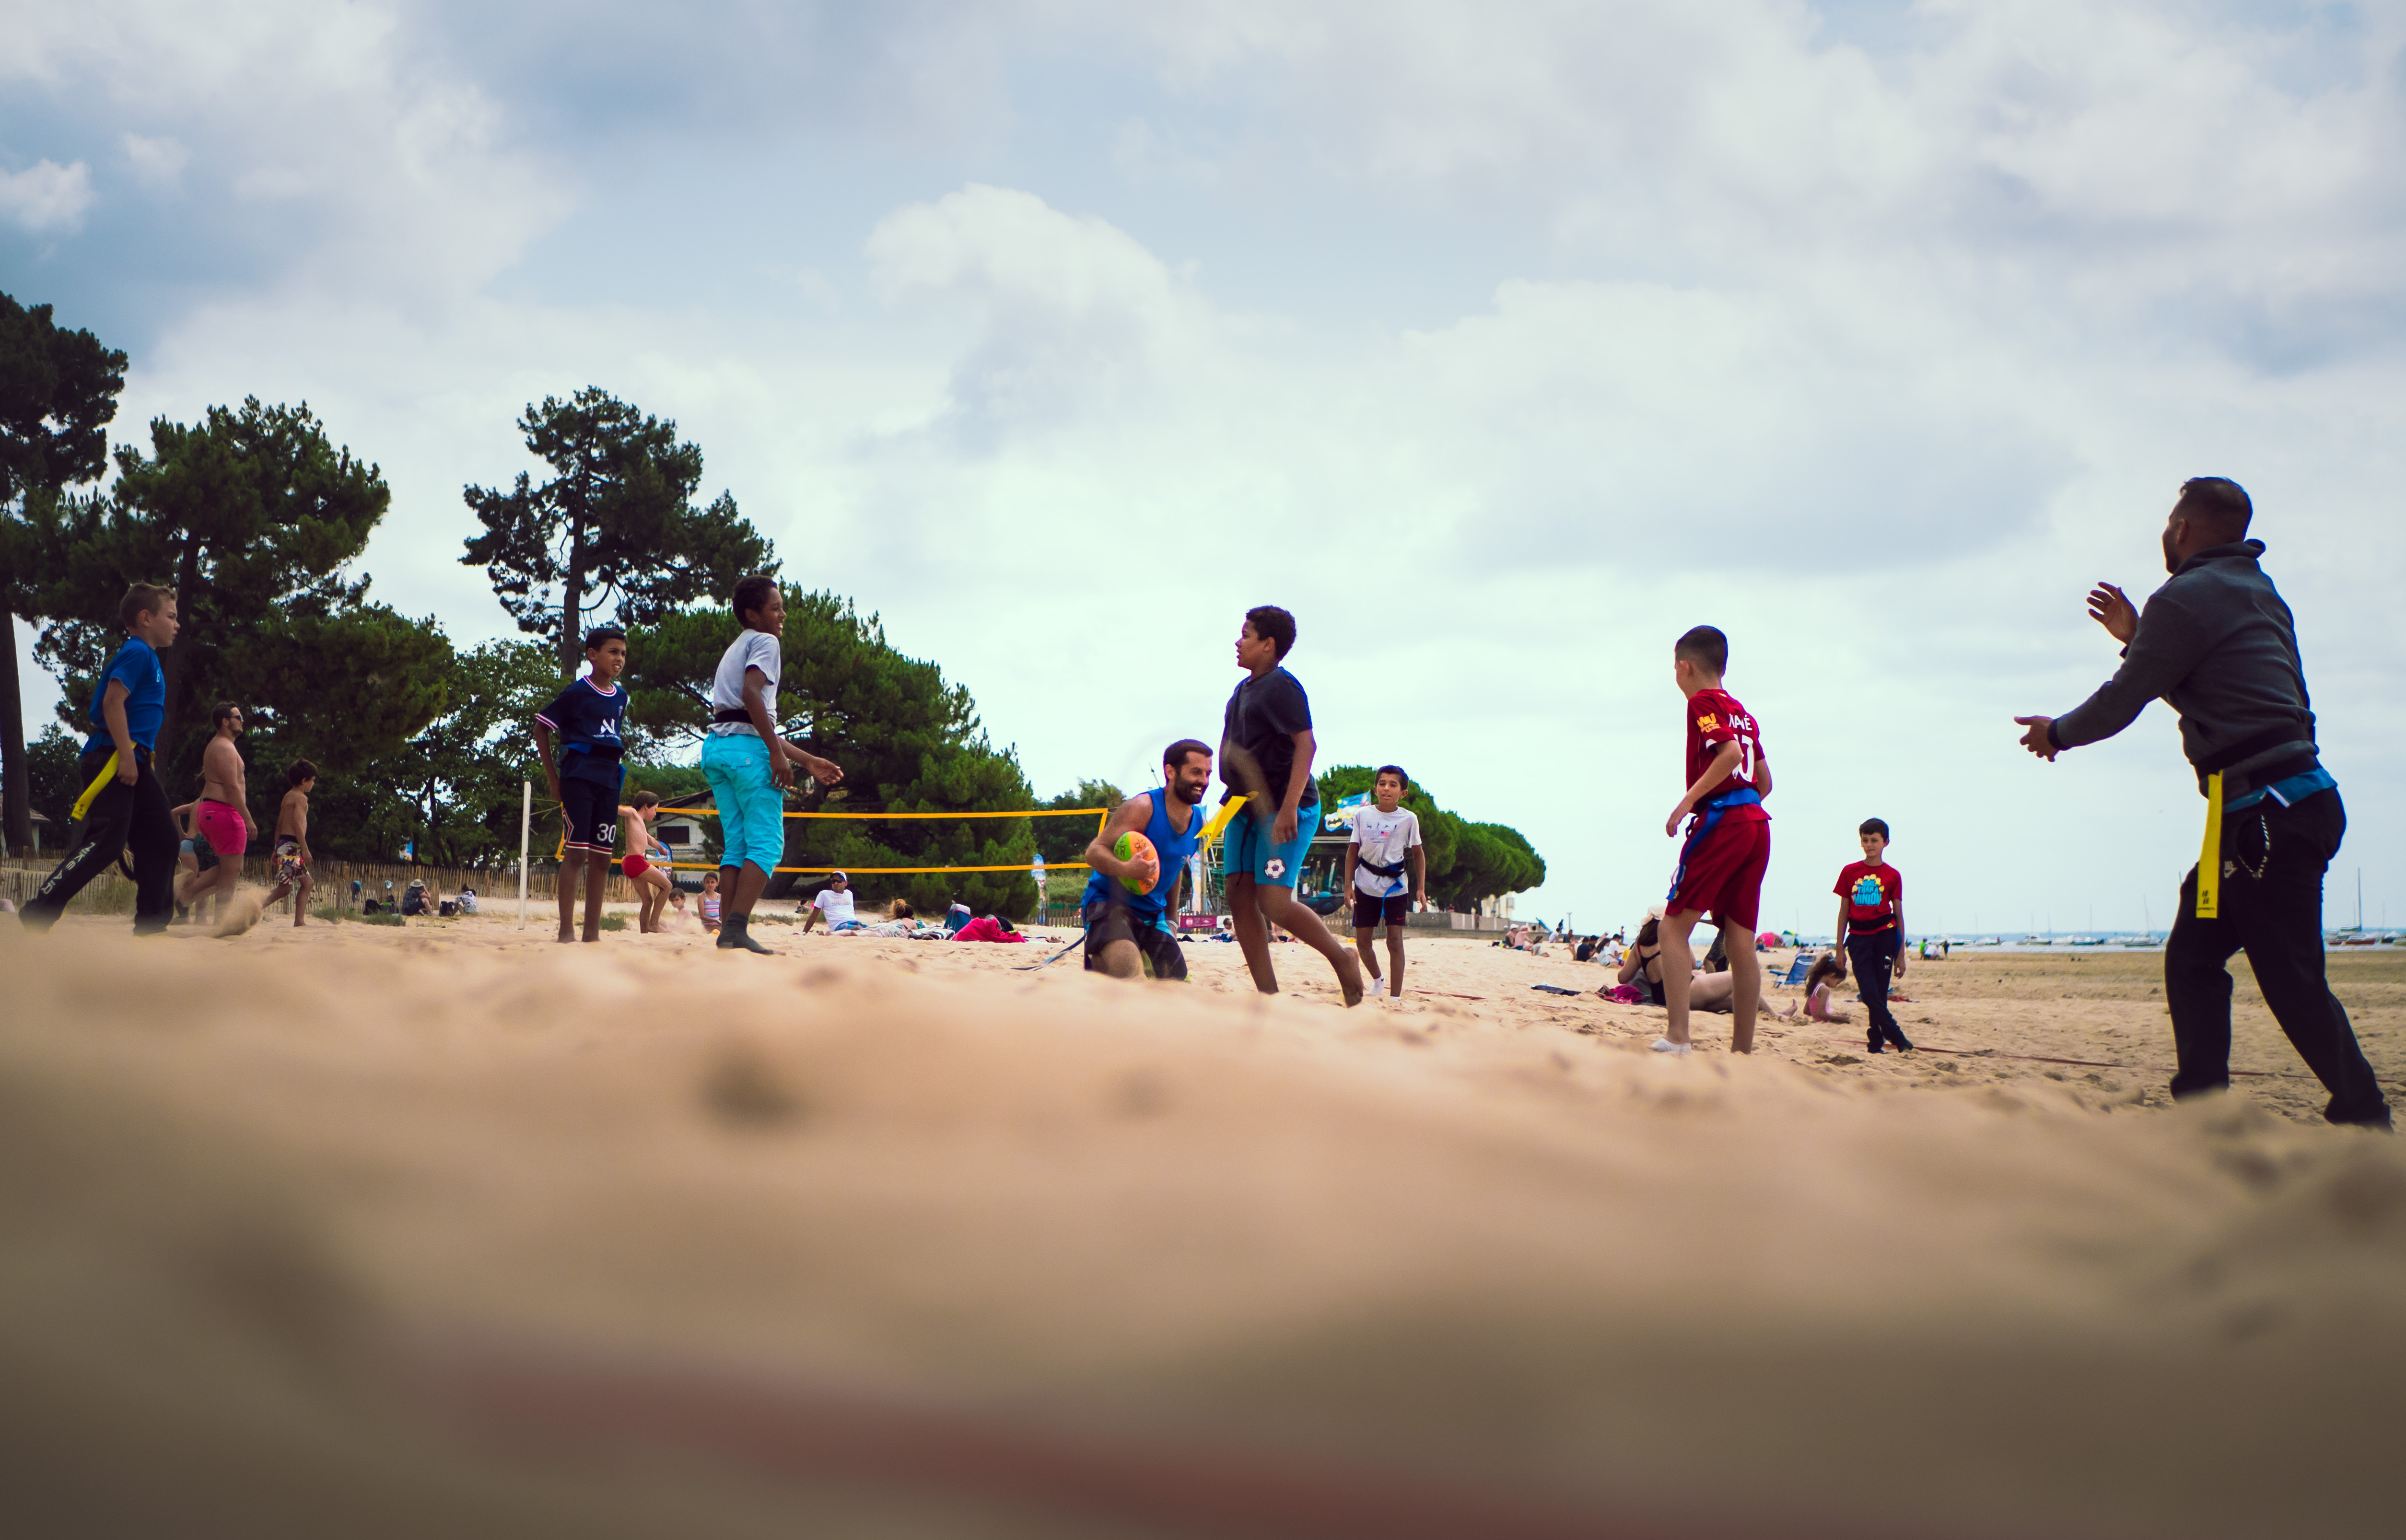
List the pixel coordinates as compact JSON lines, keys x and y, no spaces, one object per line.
{"x":1796,"y":972}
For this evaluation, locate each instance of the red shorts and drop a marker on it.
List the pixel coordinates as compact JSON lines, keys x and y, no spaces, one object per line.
{"x":634,"y":866}
{"x":1722,"y":872}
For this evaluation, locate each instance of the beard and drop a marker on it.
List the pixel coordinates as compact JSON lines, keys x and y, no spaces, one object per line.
{"x":2172,"y":554}
{"x":1190,"y":795}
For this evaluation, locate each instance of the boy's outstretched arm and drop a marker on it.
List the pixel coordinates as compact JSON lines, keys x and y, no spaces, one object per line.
{"x":1420,"y":875}
{"x":1725,"y":760}
{"x":1841,"y":931}
{"x":1900,"y":938}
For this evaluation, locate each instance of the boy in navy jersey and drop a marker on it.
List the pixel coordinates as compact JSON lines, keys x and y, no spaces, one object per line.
{"x":1870,"y":929}
{"x":1728,"y":846}
{"x":586,"y":778}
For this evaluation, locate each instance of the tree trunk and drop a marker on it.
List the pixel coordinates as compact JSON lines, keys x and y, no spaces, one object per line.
{"x":188,"y":578}
{"x":15,"y":799}
{"x":572,"y":601}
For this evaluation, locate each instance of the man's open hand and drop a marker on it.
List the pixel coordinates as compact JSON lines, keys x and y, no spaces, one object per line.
{"x":2035,"y":737}
{"x":2111,"y":608}
{"x":1671,"y":825}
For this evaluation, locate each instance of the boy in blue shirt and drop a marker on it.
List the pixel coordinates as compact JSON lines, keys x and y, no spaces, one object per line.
{"x":586,"y":778}
{"x":126,"y":708}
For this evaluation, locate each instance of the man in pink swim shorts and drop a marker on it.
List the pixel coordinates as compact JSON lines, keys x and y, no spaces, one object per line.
{"x":218,"y":819}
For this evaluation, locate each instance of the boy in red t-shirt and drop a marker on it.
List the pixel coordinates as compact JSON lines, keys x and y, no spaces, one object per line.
{"x":1728,"y":846}
{"x":1870,"y":929}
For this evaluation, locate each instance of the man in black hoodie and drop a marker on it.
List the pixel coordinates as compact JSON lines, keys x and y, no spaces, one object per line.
{"x":2218,"y":645}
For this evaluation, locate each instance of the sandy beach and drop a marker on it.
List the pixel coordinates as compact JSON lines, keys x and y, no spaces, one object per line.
{"x":448,"y":1228}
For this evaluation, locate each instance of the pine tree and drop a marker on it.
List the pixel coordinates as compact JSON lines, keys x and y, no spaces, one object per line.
{"x":614,"y":532}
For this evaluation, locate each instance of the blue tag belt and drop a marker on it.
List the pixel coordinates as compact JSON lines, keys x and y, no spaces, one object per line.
{"x":2288,"y":793}
{"x":1712,"y":809}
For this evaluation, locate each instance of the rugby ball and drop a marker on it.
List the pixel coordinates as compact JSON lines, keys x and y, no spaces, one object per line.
{"x":1133,"y":846}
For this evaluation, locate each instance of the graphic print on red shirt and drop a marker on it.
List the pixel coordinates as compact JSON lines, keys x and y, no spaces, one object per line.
{"x":1714,"y":717}
{"x":1872,"y":895}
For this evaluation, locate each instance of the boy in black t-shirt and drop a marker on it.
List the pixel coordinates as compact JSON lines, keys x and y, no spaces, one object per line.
{"x":1266,"y":753}
{"x":586,"y":779}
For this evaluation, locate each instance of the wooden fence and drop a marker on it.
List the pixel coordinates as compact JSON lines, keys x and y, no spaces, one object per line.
{"x":112,"y":893}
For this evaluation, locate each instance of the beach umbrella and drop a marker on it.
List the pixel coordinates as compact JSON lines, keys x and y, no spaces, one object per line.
{"x":1769,"y":938}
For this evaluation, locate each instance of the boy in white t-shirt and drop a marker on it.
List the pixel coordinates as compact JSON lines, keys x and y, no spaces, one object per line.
{"x":749,"y":767}
{"x":1386,"y":842}
{"x":831,"y":903}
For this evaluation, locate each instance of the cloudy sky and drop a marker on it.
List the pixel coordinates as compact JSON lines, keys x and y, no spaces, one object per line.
{"x":1500,"y":343}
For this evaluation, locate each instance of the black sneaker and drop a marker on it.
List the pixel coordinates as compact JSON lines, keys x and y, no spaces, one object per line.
{"x":735,"y":935}
{"x":1897,"y":1039}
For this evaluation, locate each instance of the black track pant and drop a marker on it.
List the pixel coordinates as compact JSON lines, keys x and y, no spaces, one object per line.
{"x":2277,"y":917}
{"x":1873,"y":960}
{"x":122,"y":817}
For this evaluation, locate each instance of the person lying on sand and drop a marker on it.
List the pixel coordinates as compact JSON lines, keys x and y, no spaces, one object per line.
{"x":1641,"y":966}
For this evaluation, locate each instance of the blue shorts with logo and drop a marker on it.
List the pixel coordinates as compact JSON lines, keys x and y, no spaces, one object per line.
{"x":1251,"y":850}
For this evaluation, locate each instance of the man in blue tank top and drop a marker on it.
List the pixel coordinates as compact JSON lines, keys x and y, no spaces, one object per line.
{"x":1123,"y":929}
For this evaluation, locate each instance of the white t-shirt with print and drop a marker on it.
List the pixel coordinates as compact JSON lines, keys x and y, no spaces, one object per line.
{"x":1383,"y":838}
{"x":752,"y":650}
{"x":836,"y":906}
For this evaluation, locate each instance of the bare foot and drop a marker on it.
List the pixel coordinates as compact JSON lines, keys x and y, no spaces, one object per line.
{"x":1349,"y":977}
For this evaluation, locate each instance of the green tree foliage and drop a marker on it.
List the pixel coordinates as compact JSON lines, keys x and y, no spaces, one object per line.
{"x":51,"y":779}
{"x":58,"y":394}
{"x":1466,"y":861}
{"x":908,"y":742}
{"x":252,"y":515}
{"x":614,"y":531}
{"x":451,"y":793}
{"x":1066,"y":839}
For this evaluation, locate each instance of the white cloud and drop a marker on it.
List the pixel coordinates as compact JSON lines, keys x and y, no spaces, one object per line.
{"x":159,"y":161}
{"x":45,"y":196}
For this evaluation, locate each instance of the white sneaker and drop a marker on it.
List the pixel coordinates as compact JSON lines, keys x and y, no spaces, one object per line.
{"x":1664,"y":1045}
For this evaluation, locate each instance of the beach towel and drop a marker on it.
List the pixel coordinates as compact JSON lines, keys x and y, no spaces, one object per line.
{"x":1626,"y":994}
{"x":1557,"y":989}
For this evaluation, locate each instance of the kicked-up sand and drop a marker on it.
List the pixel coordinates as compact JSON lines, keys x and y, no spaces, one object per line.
{"x":449,"y":1229}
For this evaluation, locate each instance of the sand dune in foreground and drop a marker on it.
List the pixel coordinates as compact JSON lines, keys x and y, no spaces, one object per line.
{"x":363,"y":1231}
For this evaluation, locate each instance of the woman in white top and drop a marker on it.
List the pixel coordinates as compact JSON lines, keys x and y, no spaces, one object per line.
{"x":750,"y":768}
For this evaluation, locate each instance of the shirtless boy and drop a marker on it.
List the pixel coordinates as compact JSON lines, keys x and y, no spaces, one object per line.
{"x":641,"y":861}
{"x":292,"y":841}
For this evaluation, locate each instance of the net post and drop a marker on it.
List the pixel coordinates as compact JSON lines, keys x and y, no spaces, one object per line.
{"x":526,"y":830}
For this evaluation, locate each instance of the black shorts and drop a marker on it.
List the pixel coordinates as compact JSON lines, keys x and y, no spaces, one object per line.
{"x":590,"y":811}
{"x":1108,"y":920}
{"x":1369,"y":913}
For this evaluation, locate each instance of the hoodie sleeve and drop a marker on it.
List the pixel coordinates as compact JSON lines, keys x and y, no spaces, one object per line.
{"x":2167,"y":646}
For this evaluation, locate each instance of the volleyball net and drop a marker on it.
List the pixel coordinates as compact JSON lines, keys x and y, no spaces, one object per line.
{"x":1100,"y":815}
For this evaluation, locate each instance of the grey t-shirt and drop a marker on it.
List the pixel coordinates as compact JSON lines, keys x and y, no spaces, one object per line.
{"x":2219,"y":646}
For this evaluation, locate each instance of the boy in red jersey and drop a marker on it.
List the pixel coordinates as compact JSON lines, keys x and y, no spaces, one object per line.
{"x":1870,"y":929}
{"x":1729,"y":843}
